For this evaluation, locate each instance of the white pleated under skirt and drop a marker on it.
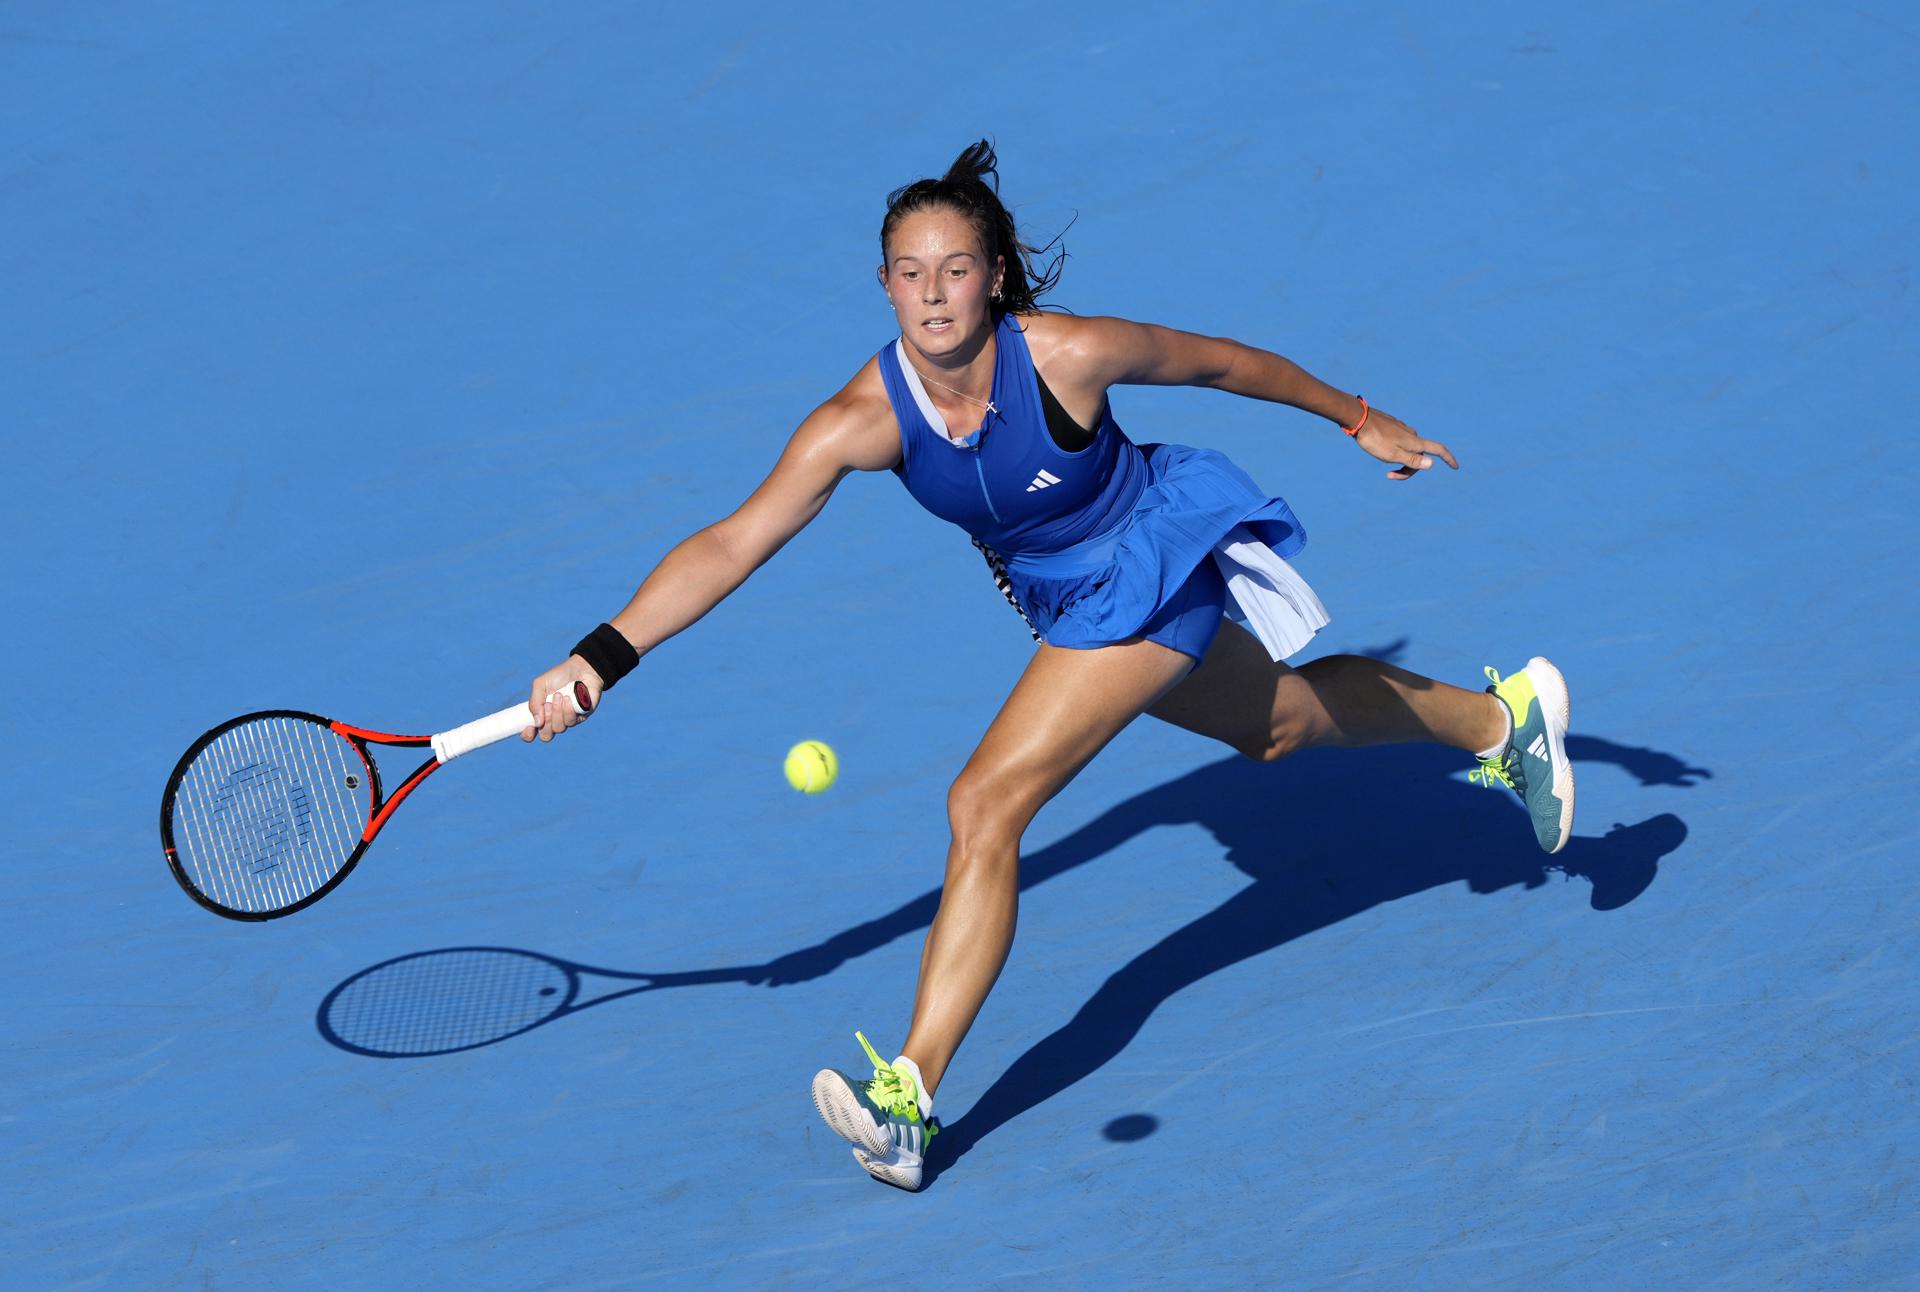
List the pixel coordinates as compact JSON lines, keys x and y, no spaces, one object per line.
{"x":1267,"y":595}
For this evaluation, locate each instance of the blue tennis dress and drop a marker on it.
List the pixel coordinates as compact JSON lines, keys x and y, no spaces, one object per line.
{"x":1114,"y":541}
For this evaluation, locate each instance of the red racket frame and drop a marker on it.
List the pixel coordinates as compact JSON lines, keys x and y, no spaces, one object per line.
{"x":380,"y":808}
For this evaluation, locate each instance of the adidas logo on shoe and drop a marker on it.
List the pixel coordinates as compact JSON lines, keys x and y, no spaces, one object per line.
{"x":1045,"y":480}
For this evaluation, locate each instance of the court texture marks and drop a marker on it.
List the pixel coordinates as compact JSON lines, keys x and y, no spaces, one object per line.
{"x":357,"y":358}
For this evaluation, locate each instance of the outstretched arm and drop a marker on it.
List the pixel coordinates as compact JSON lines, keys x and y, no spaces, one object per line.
{"x":850,"y":432}
{"x":1118,"y":352}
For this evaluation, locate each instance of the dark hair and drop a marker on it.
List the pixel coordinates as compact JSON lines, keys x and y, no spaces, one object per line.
{"x":966,"y":190}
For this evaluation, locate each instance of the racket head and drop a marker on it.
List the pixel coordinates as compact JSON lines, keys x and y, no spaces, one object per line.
{"x":267,"y":813}
{"x":427,"y":1003}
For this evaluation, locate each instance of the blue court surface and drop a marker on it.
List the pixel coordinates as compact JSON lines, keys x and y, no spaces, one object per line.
{"x":357,"y":358}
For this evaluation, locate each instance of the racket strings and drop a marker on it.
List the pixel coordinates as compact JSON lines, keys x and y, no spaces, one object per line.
{"x":269,"y":812}
{"x":440,"y":1001}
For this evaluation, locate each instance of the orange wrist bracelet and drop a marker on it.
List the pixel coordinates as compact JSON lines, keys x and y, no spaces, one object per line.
{"x":1365,"y":412}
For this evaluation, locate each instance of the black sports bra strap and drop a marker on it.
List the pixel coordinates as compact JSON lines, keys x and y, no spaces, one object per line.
{"x":1068,"y":435}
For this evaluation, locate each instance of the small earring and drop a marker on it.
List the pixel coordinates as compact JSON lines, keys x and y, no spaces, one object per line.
{"x":996,"y":293}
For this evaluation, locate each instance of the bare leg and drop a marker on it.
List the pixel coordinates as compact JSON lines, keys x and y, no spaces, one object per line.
{"x":1268,"y":710}
{"x":1066,"y":707}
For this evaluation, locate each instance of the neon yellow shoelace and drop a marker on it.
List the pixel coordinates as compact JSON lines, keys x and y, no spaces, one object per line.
{"x":1493,"y":771}
{"x":892,"y":1087}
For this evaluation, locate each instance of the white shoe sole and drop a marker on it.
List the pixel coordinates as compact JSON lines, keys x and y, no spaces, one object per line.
{"x":1557,"y":707}
{"x":888,"y":1169}
{"x":841,"y":1109}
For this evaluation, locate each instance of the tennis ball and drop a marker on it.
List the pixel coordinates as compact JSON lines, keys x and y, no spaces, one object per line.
{"x":811,"y":766}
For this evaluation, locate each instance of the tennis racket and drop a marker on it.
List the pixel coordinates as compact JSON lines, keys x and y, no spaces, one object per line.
{"x":461,"y":998}
{"x":268,"y":812}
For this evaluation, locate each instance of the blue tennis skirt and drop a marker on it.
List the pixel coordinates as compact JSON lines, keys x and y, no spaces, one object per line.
{"x":1154,"y":575}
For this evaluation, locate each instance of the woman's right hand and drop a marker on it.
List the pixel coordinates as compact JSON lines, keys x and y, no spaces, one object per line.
{"x":549,"y":699}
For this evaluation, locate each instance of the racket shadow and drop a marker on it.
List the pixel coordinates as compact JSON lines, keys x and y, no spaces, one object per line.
{"x":429,"y":1003}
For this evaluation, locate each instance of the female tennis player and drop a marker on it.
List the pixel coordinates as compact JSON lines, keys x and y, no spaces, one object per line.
{"x":1154,"y":576}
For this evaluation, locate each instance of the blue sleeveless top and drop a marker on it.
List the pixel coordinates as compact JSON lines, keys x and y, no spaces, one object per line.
{"x":1008,"y":484}
{"x":1090,"y":544}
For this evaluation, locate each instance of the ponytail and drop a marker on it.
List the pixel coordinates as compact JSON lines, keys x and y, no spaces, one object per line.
{"x":971,"y":187}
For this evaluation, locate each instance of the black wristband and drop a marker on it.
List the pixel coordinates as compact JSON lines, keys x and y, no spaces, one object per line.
{"x":608,"y":654}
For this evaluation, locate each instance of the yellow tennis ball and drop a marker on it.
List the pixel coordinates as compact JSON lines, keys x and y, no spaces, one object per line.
{"x":811,"y":766}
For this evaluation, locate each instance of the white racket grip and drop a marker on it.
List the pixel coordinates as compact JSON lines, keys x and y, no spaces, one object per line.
{"x":511,"y":721}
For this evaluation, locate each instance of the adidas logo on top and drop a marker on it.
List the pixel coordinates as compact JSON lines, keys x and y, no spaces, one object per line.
{"x":1046,"y":479}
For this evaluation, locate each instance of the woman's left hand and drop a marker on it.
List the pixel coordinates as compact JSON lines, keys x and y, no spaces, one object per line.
{"x":1391,"y":440}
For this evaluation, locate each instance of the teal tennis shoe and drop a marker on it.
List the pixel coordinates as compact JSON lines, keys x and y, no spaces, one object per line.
{"x":1535,"y":764}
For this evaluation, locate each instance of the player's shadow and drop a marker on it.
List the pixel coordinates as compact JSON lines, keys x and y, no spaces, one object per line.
{"x":1324,"y":837}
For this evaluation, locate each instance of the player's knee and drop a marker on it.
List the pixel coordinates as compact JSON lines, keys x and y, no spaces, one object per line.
{"x":1283,"y":738}
{"x":985,"y":812}
{"x":1295,"y":722}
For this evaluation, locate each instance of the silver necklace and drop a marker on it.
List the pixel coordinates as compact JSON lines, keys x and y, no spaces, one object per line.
{"x":984,"y":403}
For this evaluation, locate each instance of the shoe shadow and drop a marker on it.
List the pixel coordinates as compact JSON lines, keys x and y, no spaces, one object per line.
{"x":1314,"y":863}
